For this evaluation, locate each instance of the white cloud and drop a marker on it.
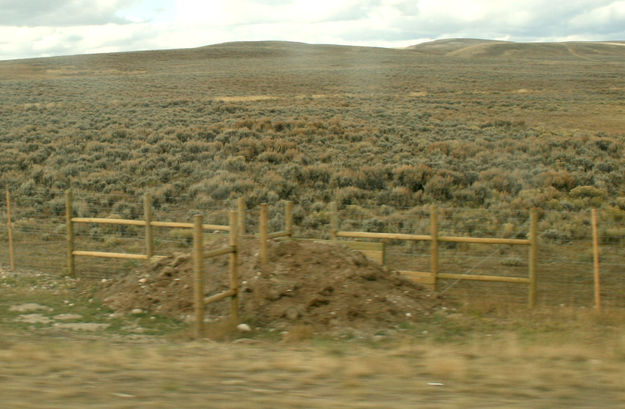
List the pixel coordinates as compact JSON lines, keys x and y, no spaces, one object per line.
{"x":41,"y":27}
{"x":39,"y":13}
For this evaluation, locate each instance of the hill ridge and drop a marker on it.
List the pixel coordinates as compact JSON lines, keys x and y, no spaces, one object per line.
{"x":485,"y":48}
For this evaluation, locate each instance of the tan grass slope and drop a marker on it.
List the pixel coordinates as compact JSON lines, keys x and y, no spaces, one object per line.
{"x":477,"y":48}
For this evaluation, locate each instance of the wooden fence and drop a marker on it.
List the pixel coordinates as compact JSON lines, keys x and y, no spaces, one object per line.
{"x":432,"y":277}
{"x":199,"y":254}
{"x":237,"y":228}
{"x":148,"y":223}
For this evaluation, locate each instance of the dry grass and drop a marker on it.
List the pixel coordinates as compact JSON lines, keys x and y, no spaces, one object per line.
{"x":503,"y":372}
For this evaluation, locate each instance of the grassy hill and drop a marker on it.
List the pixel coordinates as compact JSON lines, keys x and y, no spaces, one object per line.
{"x":476,"y":48}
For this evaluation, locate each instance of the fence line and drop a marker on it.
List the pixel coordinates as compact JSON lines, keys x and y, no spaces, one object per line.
{"x":432,"y":277}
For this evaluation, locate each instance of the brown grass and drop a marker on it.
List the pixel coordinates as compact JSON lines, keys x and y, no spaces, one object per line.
{"x":501,"y":370}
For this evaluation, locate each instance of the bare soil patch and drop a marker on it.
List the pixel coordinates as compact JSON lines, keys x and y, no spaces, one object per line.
{"x":304,"y":283}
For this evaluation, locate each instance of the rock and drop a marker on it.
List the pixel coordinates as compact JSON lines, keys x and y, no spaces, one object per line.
{"x":378,"y":338}
{"x":244,"y":328}
{"x":247,"y":341}
{"x":273,"y":294}
{"x":292,"y":313}
{"x":136,"y":311}
{"x":29,"y":307}
{"x":34,"y":319}
{"x":64,"y":317}
{"x":167,"y":272}
{"x":180,"y":259}
{"x":81,"y":326}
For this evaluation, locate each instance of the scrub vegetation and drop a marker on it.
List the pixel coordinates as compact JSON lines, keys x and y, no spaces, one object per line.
{"x":455,"y":123}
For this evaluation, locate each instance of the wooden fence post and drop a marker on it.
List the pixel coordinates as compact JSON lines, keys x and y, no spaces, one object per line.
{"x":533,"y":257}
{"x":263,"y":233}
{"x":234,"y":268}
{"x":10,"y":232}
{"x":334,"y":220}
{"x":241,"y":207}
{"x":595,"y":248}
{"x":70,"y":234}
{"x":147,"y":211}
{"x":198,"y":275}
{"x":434,"y":246}
{"x":288,"y":218}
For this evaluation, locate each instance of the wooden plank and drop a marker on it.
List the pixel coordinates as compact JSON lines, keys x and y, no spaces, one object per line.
{"x":374,"y":251}
{"x":219,"y":252}
{"x":362,"y":245}
{"x":218,"y":227}
{"x":263,"y":233}
{"x":198,"y":278}
{"x":125,"y":222}
{"x":147,"y":213}
{"x":288,"y":218}
{"x":479,"y":240}
{"x":233,"y":267}
{"x":71,"y":270}
{"x":179,"y":225}
{"x":10,"y":232}
{"x":334,"y":220}
{"x":419,"y":277}
{"x":219,"y":297}
{"x":241,"y":208}
{"x":420,"y":237}
{"x":374,"y":255}
{"x":474,"y":277}
{"x":278,"y":235}
{"x":104,"y":254}
{"x":595,"y":252}
{"x":533,"y":255}
{"x":434,"y":246}
{"x":174,"y":225}
{"x":390,"y":236}
{"x":102,"y":220}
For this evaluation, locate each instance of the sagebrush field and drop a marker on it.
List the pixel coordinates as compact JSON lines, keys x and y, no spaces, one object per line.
{"x":454,"y":123}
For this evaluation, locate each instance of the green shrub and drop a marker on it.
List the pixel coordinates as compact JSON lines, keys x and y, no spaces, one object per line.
{"x":412,"y":177}
{"x":587,"y":192}
{"x":440,"y":187}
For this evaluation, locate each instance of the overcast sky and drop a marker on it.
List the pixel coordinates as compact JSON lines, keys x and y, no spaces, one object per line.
{"x":37,"y":28}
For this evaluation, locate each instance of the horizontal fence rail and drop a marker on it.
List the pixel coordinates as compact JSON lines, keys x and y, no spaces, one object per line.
{"x":126,"y":222}
{"x":105,"y":254}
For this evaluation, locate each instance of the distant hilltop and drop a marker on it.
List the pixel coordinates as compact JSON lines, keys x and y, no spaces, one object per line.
{"x":476,"y":48}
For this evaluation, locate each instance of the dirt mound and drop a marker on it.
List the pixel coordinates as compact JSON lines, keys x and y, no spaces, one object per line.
{"x":321,"y":285}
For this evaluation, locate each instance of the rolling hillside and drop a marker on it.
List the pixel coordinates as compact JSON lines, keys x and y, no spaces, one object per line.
{"x":475,"y":48}
{"x":467,"y":123}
